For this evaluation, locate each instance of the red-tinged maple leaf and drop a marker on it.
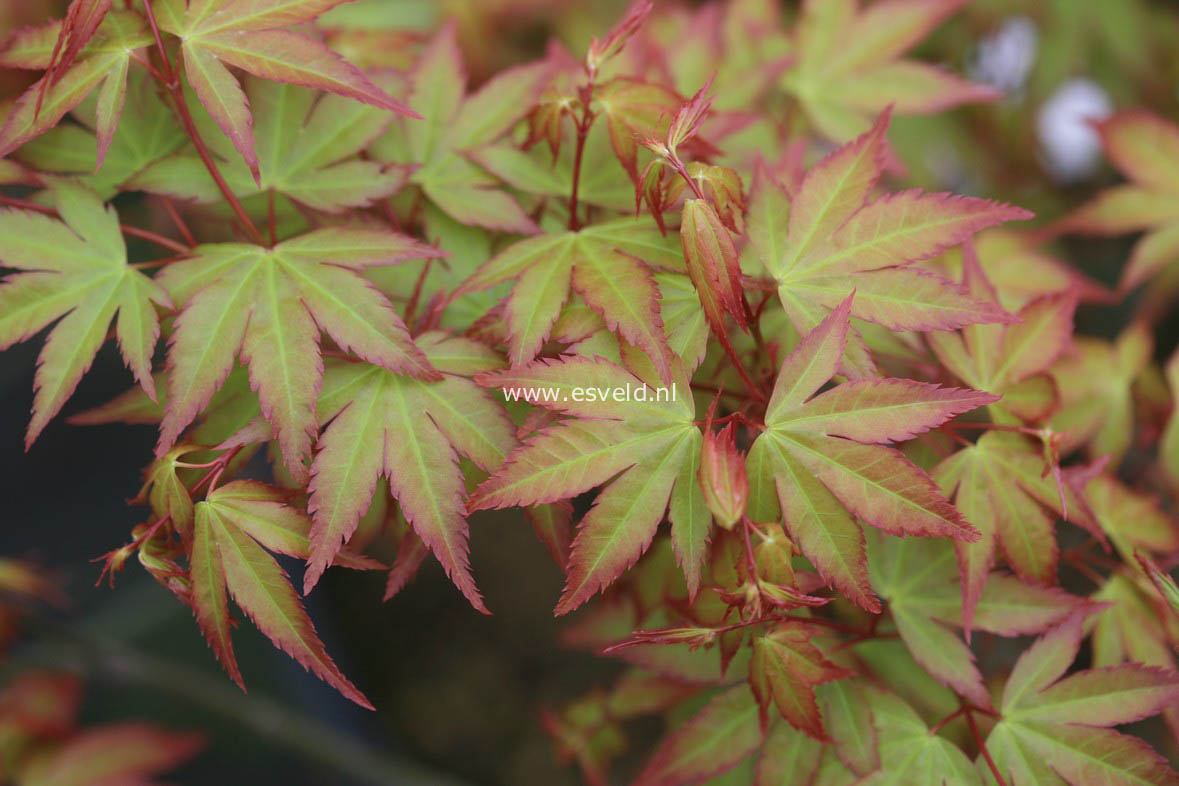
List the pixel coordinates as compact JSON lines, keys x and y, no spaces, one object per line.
{"x":270,"y":305}
{"x":81,"y":23}
{"x":99,"y":47}
{"x":1010,"y":360}
{"x":1134,"y":521}
{"x":849,"y":65}
{"x":1134,"y":627}
{"x":123,"y":753}
{"x":820,"y":453}
{"x":456,"y":124}
{"x":74,"y":269}
{"x":1055,"y":728}
{"x":1145,"y":149}
{"x":407,"y":430}
{"x":609,"y":46}
{"x":784,"y":670}
{"x":712,"y":741}
{"x":838,"y":239}
{"x":653,"y":447}
{"x":248,"y":34}
{"x":635,"y":110}
{"x":608,"y":264}
{"x":1000,"y":486}
{"x":232,"y":525}
{"x":919,"y":580}
{"x":1095,"y":380}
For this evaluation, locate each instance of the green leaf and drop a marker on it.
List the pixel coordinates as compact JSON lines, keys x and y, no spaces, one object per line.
{"x":717,"y":738}
{"x":1059,"y":722}
{"x":227,"y":556}
{"x":74,"y":268}
{"x":271,"y":304}
{"x":651,"y":443}
{"x":407,"y":430}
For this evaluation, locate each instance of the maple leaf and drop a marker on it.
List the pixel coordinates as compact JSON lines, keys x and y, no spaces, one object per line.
{"x":849,"y":67}
{"x":608,"y":264}
{"x":910,"y":752}
{"x":270,"y":305}
{"x":1144,"y":148}
{"x":999,"y":484}
{"x":712,"y":741}
{"x":1134,"y":521}
{"x":454,"y":124}
{"x":819,"y":453}
{"x":124,"y":752}
{"x":311,"y":155}
{"x":919,"y":580}
{"x":232,"y":525}
{"x":634,"y":110}
{"x":1095,"y":378}
{"x":534,"y":172}
{"x":655,"y":445}
{"x":73,"y":148}
{"x":1054,"y":730}
{"x":1010,"y":360}
{"x":248,"y":34}
{"x":381,"y":423}
{"x":74,"y":269}
{"x":102,"y":58}
{"x":785,"y":668}
{"x":837,"y":239}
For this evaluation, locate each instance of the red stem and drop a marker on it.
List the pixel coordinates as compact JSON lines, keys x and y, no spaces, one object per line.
{"x":583,"y":127}
{"x":679,"y":167}
{"x":982,"y":746}
{"x":173,"y":87}
{"x":178,"y":220}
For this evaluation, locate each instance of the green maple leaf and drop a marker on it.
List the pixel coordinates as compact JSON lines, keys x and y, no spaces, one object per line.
{"x":909,"y":751}
{"x":608,"y":264}
{"x":831,"y":238}
{"x":849,"y":65}
{"x":270,"y":305}
{"x":456,"y":123}
{"x":819,"y":454}
{"x":1144,"y":148}
{"x":74,"y":268}
{"x":232,"y":525}
{"x":1054,"y":729}
{"x":310,"y":155}
{"x":249,"y":34}
{"x":654,"y":445}
{"x":1000,"y":486}
{"x":715,"y":739}
{"x":534,"y":171}
{"x":919,"y":579}
{"x":73,"y":149}
{"x":384,"y":424}
{"x":1095,"y":379}
{"x":104,"y":60}
{"x":1012,"y":360}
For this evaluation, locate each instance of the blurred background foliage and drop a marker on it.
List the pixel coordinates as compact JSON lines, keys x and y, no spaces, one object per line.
{"x":461,"y":695}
